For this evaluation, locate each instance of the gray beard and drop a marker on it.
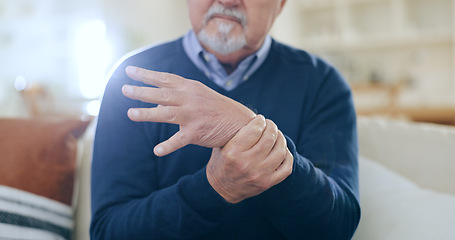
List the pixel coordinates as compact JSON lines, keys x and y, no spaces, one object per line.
{"x":221,"y":42}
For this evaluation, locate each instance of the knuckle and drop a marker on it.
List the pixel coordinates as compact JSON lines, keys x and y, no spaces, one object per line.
{"x":136,"y":91}
{"x":288,"y":167}
{"x":182,"y":138}
{"x":254,"y":178}
{"x":272,"y":128}
{"x":171,"y":114}
{"x":195,"y":87}
{"x":282,"y":152}
{"x":203,"y":127}
{"x":194,"y":84}
{"x":291,"y":164}
{"x":272,"y":125}
{"x":193,"y":137}
{"x":258,"y":151}
{"x":242,"y":168}
{"x":165,"y":95}
{"x":289,"y":170}
{"x":141,"y":114}
{"x":257,"y":130}
{"x":229,"y":154}
{"x":279,"y":158}
{"x":139,"y":92}
{"x":260,"y":121}
{"x":269,"y":139}
{"x":143,"y":93}
{"x":165,"y":77}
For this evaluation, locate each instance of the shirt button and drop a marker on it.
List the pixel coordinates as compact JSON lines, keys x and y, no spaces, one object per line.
{"x":229,"y":83}
{"x":207,"y":59}
{"x":245,"y":77}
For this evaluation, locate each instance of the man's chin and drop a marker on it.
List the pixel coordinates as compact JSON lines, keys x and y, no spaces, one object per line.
{"x":223,"y":27}
{"x":223,"y":45}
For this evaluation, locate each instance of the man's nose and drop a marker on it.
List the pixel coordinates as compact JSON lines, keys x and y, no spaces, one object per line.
{"x":229,"y":3}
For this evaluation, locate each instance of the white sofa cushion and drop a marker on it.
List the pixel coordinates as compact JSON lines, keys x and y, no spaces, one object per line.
{"x":394,"y":207}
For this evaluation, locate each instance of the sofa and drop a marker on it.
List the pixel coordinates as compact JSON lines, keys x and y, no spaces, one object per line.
{"x":406,"y":170}
{"x":407,"y":180}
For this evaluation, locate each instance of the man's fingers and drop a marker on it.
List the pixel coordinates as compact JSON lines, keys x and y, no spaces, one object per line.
{"x":157,"y":79}
{"x":162,"y":114}
{"x":249,"y":135}
{"x":278,"y":152}
{"x":284,"y":169}
{"x":161,"y":96}
{"x":268,"y":140}
{"x":177,"y":141}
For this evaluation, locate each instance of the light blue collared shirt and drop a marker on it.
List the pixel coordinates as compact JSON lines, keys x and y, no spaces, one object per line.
{"x":212,"y":68}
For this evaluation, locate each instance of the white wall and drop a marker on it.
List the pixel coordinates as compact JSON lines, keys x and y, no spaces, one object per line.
{"x":38,"y":38}
{"x":51,"y":42}
{"x":136,"y":23}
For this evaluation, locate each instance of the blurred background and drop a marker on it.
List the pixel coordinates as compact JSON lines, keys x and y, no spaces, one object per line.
{"x":397,"y":55}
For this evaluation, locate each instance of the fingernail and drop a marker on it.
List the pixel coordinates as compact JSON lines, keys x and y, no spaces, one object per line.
{"x":127,"y":89}
{"x":134,"y":113}
{"x":131,"y":70}
{"x":159,"y":151}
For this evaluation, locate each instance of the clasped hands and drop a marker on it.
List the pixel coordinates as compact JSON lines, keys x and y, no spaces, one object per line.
{"x":249,"y":153}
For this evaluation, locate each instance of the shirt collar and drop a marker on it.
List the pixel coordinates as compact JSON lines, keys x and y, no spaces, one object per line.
{"x":200,"y":57}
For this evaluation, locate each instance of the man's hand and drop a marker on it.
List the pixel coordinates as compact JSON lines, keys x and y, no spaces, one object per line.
{"x":254,"y":160}
{"x":206,"y":118}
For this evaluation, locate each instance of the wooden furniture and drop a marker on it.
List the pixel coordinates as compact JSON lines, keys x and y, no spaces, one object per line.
{"x":391,"y":107}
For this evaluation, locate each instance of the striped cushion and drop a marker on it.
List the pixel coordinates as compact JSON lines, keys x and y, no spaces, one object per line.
{"x":25,"y":216}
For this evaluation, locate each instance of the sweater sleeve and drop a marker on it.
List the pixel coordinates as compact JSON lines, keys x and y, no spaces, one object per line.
{"x":127,"y":201}
{"x":319,"y":200}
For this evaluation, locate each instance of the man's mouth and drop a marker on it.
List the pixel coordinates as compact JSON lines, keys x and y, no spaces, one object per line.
{"x":225,"y":17}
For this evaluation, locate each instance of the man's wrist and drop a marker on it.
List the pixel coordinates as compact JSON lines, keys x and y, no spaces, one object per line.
{"x":217,"y":186}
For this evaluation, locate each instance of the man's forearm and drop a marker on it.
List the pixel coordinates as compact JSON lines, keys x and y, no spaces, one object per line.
{"x":311,"y":204}
{"x":187,"y":209}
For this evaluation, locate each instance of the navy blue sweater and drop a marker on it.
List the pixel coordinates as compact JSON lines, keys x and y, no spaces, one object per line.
{"x":136,"y":195}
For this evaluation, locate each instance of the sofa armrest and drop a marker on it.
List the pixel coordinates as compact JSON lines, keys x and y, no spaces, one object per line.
{"x":82,"y":213}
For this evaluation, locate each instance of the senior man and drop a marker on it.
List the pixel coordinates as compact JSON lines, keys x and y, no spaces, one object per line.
{"x":225,"y":133}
